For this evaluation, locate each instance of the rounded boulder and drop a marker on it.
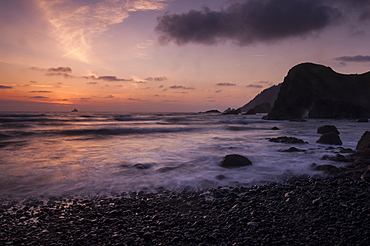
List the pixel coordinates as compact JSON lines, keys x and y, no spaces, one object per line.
{"x":234,"y":161}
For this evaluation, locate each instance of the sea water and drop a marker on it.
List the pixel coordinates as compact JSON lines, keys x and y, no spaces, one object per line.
{"x":90,"y":153}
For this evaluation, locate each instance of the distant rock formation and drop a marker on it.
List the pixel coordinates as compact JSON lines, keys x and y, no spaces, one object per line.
{"x":316,"y":91}
{"x":232,"y":111}
{"x":260,"y":108}
{"x":267,"y":96}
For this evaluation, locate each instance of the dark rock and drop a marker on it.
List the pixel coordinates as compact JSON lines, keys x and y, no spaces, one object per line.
{"x":330,"y":138}
{"x":327,"y":129}
{"x":232,"y":111}
{"x":142,"y":165}
{"x":346,"y":151}
{"x":261,"y":108}
{"x":315,"y":91}
{"x":275,"y":128}
{"x":328,"y":169}
{"x":289,"y":140}
{"x":251,"y":111}
{"x":234,"y":160}
{"x":293,"y":149}
{"x":267,"y":96}
{"x":337,"y":158}
{"x":363,"y":145}
{"x":213,"y":111}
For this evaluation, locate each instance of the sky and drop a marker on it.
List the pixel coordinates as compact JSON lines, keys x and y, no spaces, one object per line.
{"x":169,"y":55}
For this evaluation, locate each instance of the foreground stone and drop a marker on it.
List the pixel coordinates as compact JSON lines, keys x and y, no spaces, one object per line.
{"x":234,"y":160}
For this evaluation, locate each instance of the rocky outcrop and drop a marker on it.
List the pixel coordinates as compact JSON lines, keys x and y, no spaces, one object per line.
{"x":234,"y":160}
{"x":363,"y":145}
{"x":330,"y":135}
{"x":268,"y":95}
{"x":315,"y":91}
{"x":331,"y":138}
{"x":260,"y":108}
{"x":232,"y":111}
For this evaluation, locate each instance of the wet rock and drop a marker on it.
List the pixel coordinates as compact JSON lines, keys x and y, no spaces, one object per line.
{"x":275,"y":128}
{"x":293,"y":149}
{"x":289,"y":140}
{"x":235,"y":160}
{"x":142,"y":165}
{"x":331,"y":138}
{"x":337,"y":158}
{"x":327,"y":129}
{"x":328,"y":169}
{"x":363,"y":145}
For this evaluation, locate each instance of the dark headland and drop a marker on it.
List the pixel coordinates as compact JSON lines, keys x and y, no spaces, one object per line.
{"x":320,"y":210}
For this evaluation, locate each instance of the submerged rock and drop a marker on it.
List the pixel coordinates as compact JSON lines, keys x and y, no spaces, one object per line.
{"x":330,"y":138}
{"x":293,"y":149}
{"x":290,"y":140}
{"x":235,"y":160}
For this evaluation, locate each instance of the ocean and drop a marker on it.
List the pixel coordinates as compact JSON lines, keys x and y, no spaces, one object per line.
{"x":113,"y":153}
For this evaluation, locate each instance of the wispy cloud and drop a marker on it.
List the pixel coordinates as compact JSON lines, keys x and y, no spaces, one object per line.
{"x":226,"y":84}
{"x":77,"y":23}
{"x":358,"y":58}
{"x":254,"y":86}
{"x":39,"y":97}
{"x":181,"y":87}
{"x":40,"y":91}
{"x":5,"y":87}
{"x":163,"y":78}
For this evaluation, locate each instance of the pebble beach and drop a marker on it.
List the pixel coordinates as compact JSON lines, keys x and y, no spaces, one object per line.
{"x":304,"y":210}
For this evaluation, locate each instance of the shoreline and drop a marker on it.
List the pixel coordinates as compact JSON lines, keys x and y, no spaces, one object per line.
{"x":302,"y":210}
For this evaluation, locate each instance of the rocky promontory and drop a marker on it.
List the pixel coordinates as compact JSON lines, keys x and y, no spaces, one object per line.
{"x":316,"y":91}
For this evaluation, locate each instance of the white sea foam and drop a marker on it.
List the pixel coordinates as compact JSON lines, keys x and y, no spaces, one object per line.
{"x":56,"y":154}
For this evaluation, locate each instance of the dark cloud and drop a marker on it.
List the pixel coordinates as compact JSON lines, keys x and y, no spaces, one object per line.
{"x":247,"y":22}
{"x":111,"y":79}
{"x":134,"y":99}
{"x":218,"y":91}
{"x":163,"y":78}
{"x":40,"y":91}
{"x":181,"y":87}
{"x":358,"y":58}
{"x":254,"y":86}
{"x":92,"y":83}
{"x":39,"y":97}
{"x":5,"y":87}
{"x":109,"y":96}
{"x":225,"y":84}
{"x":60,"y":70}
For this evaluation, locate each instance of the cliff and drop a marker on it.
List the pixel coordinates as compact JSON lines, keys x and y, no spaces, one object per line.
{"x":268,"y":95}
{"x":316,"y":91}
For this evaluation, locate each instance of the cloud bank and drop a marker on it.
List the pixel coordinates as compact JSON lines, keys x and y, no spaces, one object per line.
{"x":251,"y":21}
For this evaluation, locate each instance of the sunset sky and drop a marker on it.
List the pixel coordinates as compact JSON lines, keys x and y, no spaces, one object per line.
{"x":168,"y":55}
